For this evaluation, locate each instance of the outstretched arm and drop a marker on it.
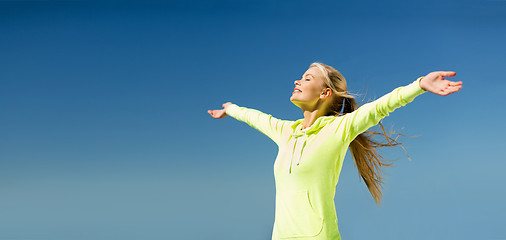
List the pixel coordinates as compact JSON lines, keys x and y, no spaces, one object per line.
{"x":436,"y":83}
{"x":371,"y":113}
{"x":265,"y":123}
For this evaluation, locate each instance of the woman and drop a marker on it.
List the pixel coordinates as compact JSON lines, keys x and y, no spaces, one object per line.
{"x":311,"y":150}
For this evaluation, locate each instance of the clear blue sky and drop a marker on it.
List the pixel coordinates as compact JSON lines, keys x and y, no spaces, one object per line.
{"x":104,"y":131}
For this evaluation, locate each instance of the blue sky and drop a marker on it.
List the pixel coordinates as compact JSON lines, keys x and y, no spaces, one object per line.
{"x":105,"y":132}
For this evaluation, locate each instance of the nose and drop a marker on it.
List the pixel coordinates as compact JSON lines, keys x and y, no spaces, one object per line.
{"x":296,"y":82}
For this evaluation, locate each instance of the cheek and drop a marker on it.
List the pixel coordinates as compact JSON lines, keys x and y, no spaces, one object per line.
{"x":313,"y":92}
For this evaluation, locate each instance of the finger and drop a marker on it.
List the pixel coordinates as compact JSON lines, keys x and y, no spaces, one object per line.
{"x":454,"y":87}
{"x":459,"y":83}
{"x":450,"y":90}
{"x":447,"y":73}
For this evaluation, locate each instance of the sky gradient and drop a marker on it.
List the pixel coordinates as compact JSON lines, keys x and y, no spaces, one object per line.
{"x":104,"y":130}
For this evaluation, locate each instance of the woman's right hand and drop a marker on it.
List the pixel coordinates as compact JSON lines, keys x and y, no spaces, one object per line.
{"x":220,"y":113}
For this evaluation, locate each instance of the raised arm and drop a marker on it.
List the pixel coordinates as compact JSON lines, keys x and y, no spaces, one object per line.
{"x":265,"y":123}
{"x":371,"y":113}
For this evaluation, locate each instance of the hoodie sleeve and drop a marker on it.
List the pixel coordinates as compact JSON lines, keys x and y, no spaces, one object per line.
{"x":265,"y":123}
{"x":371,"y":113}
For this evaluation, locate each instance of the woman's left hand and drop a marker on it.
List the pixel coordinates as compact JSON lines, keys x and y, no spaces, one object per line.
{"x":435,"y":82}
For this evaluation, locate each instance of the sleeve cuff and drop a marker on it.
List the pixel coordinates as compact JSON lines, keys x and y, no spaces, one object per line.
{"x":418,"y":80}
{"x":231,"y":109}
{"x":414,"y":88}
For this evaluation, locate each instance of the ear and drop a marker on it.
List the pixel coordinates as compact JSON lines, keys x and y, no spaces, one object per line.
{"x":327,"y":92}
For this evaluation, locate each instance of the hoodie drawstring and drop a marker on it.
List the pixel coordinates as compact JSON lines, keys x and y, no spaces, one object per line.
{"x":296,"y":136}
{"x":291,"y":158}
{"x":302,"y":149}
{"x":297,"y":132}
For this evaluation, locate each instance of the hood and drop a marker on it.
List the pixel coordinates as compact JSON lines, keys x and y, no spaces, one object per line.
{"x":297,"y":132}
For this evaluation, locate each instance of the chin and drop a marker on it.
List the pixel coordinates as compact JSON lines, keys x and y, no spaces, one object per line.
{"x":296,"y":103}
{"x":293,"y":97}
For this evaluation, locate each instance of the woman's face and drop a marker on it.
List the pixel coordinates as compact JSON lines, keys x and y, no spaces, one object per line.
{"x":309,"y":90}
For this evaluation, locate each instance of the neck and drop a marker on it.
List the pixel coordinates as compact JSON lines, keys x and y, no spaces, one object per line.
{"x":311,"y":116}
{"x":311,"y":113}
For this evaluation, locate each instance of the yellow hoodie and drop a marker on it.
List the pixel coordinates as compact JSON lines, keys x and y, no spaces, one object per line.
{"x":307,"y":167}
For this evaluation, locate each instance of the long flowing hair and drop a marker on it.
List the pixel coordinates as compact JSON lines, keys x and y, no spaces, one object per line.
{"x":364,"y":148}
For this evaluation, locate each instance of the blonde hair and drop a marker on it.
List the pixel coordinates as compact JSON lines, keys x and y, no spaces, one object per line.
{"x":363,"y":148}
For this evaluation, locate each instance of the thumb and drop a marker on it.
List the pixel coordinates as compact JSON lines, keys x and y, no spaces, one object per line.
{"x":226,"y":104}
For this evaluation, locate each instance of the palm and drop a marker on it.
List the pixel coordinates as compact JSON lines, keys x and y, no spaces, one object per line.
{"x":220,"y":113}
{"x":436,"y":83}
{"x":217,"y":113}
